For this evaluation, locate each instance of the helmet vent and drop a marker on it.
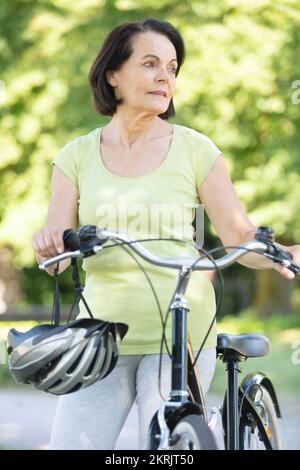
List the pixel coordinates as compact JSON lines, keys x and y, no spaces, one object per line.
{"x":91,"y":366}
{"x":74,"y":389}
{"x":75,"y":363}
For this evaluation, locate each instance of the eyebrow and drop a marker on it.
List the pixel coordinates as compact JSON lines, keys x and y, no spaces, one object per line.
{"x":155,"y":56}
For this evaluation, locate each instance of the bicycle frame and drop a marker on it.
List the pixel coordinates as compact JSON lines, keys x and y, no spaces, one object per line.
{"x":186,"y":395}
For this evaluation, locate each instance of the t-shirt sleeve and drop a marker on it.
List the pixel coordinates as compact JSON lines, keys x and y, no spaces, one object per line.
{"x":67,"y":160}
{"x":205,"y":154}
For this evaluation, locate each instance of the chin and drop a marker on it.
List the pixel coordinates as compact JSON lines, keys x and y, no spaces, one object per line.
{"x":157,"y":109}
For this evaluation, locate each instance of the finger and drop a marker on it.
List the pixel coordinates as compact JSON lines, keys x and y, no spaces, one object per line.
{"x":290,"y":275}
{"x":285,"y":272}
{"x":56,"y":236}
{"x":58,"y":242}
{"x":43,"y":249}
{"x":295,"y":253}
{"x":38,"y":246}
{"x":49,"y":245}
{"x":34,"y":244}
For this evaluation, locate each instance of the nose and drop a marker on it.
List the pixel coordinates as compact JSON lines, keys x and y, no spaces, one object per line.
{"x":162,"y":75}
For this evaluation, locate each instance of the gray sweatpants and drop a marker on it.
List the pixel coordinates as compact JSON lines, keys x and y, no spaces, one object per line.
{"x":92,"y":418}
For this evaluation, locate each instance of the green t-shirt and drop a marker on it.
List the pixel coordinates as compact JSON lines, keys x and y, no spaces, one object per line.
{"x":158,"y":204}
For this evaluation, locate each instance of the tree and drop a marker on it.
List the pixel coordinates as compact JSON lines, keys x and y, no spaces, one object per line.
{"x":235,"y":87}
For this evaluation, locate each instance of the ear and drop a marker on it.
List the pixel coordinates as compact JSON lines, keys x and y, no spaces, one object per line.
{"x":110,"y":77}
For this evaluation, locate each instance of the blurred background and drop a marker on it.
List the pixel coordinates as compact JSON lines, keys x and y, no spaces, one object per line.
{"x":240,"y":85}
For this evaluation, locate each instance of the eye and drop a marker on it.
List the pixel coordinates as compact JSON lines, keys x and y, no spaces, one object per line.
{"x":173,"y":70}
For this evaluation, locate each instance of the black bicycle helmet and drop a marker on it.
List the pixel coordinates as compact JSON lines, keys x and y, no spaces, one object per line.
{"x":62,"y":359}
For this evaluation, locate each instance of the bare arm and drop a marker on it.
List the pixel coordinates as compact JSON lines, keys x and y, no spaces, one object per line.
{"x":62,"y":214}
{"x":227,"y":213}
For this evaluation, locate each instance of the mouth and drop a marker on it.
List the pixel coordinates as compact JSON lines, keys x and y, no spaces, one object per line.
{"x":158,"y":93}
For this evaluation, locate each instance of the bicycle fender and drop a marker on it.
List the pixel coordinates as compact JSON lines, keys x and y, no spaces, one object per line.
{"x":254,"y":378}
{"x":258,"y":378}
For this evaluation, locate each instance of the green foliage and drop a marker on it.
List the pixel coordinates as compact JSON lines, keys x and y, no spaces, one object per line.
{"x":32,"y":276}
{"x":235,"y":86}
{"x":248,"y":322}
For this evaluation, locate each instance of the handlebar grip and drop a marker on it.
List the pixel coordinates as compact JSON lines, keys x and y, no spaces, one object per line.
{"x":281,"y":256}
{"x":266,"y":235}
{"x":84,"y":239}
{"x":70,"y":239}
{"x":284,"y":255}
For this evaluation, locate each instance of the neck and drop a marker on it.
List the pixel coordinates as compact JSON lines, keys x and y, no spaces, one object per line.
{"x":130,"y":130}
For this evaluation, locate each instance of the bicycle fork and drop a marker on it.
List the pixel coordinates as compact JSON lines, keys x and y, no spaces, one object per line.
{"x":179,"y":394}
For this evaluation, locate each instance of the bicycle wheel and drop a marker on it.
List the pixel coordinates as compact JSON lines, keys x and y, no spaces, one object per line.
{"x":250,"y":438}
{"x":192,"y":433}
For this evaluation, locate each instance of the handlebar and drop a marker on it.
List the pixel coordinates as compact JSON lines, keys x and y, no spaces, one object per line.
{"x":89,"y":240}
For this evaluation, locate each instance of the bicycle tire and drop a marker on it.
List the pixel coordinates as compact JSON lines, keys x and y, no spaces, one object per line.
{"x":192,"y":433}
{"x":249,"y":433}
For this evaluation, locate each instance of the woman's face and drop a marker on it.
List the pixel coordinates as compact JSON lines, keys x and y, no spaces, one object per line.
{"x":151,"y":67}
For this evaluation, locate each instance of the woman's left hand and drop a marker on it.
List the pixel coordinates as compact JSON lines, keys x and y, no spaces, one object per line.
{"x":294,"y":250}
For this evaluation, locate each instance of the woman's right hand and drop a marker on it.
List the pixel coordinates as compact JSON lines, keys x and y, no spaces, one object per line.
{"x":48,"y":242}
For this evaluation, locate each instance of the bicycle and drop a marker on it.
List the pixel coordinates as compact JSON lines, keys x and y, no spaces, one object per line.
{"x":250,"y":412}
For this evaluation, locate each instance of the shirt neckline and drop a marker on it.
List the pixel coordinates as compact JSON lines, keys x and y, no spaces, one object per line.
{"x":131,"y":178}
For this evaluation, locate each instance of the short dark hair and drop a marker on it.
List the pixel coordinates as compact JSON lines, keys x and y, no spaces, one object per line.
{"x":116,"y":49}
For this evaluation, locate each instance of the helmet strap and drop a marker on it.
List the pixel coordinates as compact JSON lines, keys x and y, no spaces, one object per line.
{"x":78,"y":290}
{"x":56,"y":303}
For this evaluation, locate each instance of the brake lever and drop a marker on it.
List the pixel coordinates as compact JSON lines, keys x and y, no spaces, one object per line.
{"x":88,"y":240}
{"x":283,"y":258}
{"x":276,"y":254}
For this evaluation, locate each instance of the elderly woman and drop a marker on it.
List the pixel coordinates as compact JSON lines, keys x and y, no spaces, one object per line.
{"x":145,"y":176}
